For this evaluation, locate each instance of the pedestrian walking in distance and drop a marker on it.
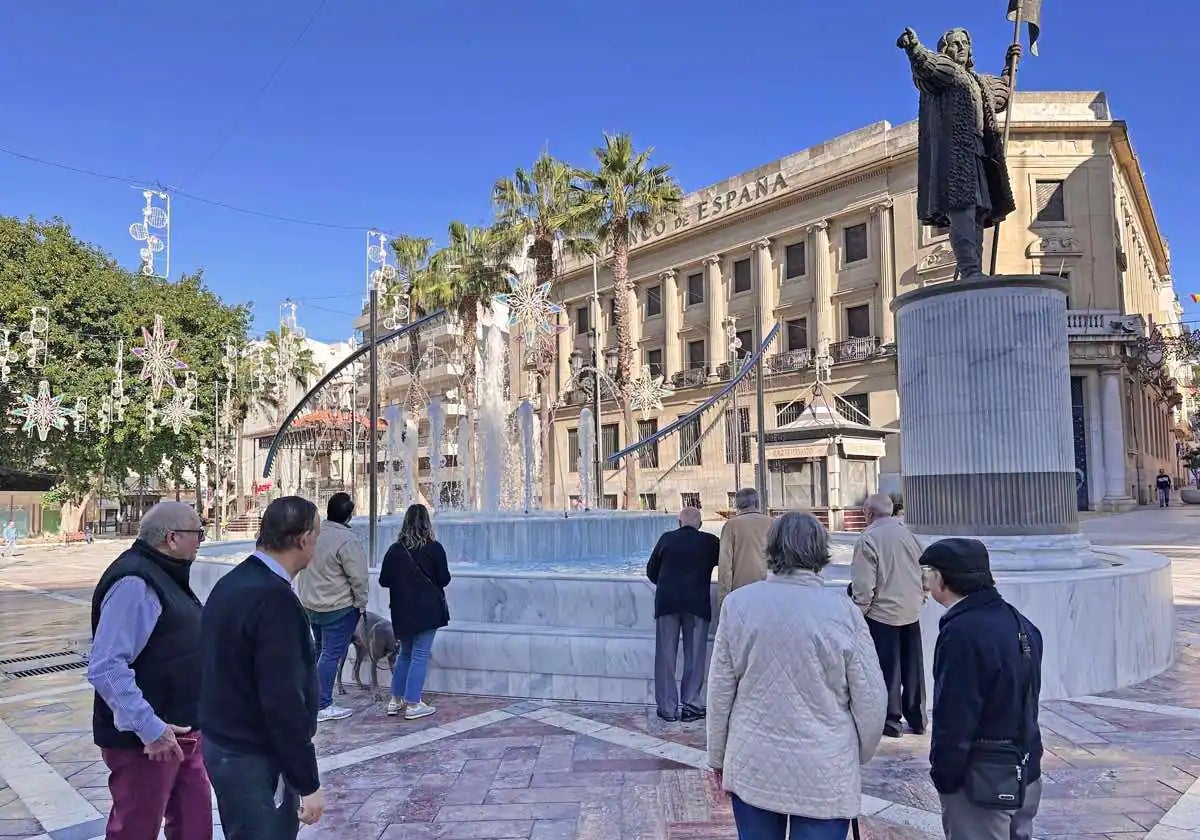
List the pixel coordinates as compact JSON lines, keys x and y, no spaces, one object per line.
{"x":743,"y":545}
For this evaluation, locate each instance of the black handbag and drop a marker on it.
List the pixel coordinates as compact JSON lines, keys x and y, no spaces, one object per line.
{"x":996,"y":770}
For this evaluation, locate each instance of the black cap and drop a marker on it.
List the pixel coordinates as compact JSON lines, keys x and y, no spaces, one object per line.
{"x":961,"y":557}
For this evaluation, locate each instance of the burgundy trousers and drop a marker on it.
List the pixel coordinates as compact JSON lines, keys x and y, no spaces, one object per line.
{"x":145,"y":793}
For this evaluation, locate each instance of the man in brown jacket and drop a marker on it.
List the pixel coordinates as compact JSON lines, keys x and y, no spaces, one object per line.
{"x":885,"y":582}
{"x":743,"y":546}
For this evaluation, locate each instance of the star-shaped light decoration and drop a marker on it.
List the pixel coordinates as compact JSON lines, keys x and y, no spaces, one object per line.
{"x":647,"y":393}
{"x":530,"y":308}
{"x":42,"y":412}
{"x":177,"y":412}
{"x":158,"y":358}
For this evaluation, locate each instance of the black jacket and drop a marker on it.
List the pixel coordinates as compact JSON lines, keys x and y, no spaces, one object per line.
{"x":259,"y":679}
{"x":681,"y":568}
{"x":415,"y":581}
{"x":1163,"y":482}
{"x":979,"y":686}
{"x":167,"y":671}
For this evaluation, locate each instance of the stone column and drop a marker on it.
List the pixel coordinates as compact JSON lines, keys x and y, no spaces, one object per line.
{"x":1113,"y":432}
{"x":822,"y":283}
{"x":672,"y":310}
{"x":1097,"y":474}
{"x":887,"y":270}
{"x":717,"y":306}
{"x":985,"y":417}
{"x":833,"y":478}
{"x":767,"y":290}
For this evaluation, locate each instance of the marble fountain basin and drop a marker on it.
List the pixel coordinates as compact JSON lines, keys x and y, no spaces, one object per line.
{"x":558,"y":608}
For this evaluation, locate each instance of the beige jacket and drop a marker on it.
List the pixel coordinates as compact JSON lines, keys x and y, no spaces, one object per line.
{"x":885,"y":573}
{"x":337,"y":577}
{"x":743,"y":557}
{"x":796,"y":700}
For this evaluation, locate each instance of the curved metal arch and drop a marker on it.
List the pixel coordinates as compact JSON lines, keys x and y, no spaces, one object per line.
{"x":330,"y":376}
{"x":747,"y":367}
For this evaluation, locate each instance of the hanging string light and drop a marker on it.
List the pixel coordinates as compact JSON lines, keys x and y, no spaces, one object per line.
{"x":8,"y":355}
{"x":36,"y":338}
{"x":156,"y":216}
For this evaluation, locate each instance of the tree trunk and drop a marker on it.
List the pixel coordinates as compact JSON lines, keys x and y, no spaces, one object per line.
{"x":623,"y":296}
{"x":74,"y":514}
{"x":239,"y":505}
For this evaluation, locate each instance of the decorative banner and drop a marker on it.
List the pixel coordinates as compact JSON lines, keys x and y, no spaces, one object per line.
{"x":42,"y":412}
{"x":530,"y":308}
{"x":158,"y":358}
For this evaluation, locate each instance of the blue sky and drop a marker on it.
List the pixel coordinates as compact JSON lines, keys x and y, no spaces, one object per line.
{"x":402,"y":113}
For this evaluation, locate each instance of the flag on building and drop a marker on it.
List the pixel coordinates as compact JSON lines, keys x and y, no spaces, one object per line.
{"x":1195,"y":297}
{"x":1031,"y":14}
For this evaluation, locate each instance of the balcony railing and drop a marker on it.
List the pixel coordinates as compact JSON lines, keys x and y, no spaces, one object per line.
{"x":692,"y":378}
{"x":790,"y":361}
{"x":855,"y":349}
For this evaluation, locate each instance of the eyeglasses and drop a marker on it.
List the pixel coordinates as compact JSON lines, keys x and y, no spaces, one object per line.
{"x":199,"y":532}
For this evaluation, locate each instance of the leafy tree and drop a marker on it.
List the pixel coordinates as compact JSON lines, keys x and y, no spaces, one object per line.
{"x":625,"y":195}
{"x":93,"y":303}
{"x":540,"y":207}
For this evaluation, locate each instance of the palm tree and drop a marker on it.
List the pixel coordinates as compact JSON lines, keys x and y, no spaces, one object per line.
{"x":463,"y":277}
{"x":412,"y":258}
{"x":625,"y":195}
{"x":540,"y":207}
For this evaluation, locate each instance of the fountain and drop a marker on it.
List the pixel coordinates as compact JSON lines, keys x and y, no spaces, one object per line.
{"x":437,"y":425}
{"x":587,"y":434}
{"x":492,"y":413}
{"x":526,"y":418}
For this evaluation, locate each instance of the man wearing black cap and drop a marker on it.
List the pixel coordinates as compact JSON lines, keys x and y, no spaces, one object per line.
{"x":987,"y":677}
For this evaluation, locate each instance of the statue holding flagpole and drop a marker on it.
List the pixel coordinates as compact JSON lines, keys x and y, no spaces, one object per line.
{"x":962,"y":178}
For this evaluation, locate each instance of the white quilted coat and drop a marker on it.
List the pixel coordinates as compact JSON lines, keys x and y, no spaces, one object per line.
{"x":796,"y":700}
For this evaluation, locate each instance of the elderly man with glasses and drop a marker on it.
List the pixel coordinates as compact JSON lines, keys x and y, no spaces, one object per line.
{"x":145,"y":668}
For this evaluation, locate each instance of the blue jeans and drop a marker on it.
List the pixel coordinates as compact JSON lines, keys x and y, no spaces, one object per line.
{"x":332,"y":641}
{"x":756,"y":824}
{"x":245,"y":785}
{"x":408,"y":677}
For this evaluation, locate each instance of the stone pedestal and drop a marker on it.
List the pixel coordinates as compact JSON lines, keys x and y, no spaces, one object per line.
{"x":985,"y":417}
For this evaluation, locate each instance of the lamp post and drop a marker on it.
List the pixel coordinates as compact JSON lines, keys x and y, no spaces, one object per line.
{"x":735,"y":345}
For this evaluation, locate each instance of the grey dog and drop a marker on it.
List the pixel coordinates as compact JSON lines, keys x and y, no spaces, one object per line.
{"x":373,"y":641}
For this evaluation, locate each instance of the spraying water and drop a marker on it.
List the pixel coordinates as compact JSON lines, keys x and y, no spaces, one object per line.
{"x":492,"y":438}
{"x":437,"y":425}
{"x":526,"y":418}
{"x":411,"y":486}
{"x":467,"y":462}
{"x":587,"y":438}
{"x":391,"y":450}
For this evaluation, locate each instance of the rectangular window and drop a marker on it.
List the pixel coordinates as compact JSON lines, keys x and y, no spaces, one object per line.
{"x":609,"y":502}
{"x":695,"y":352}
{"x":611,"y":437}
{"x":735,"y":435}
{"x":653,"y":301}
{"x":649,"y":501}
{"x":741,"y":276}
{"x":855,"y":242}
{"x":690,"y":500}
{"x":582,"y":320}
{"x":788,"y":412}
{"x":1051,"y":206}
{"x":573,"y":450}
{"x":648,"y":456}
{"x":860,"y":410}
{"x":858,"y":321}
{"x":695,"y":289}
{"x":746,"y":337}
{"x":794,"y":260}
{"x":654,"y":361}
{"x":797,"y":334}
{"x":689,"y":443}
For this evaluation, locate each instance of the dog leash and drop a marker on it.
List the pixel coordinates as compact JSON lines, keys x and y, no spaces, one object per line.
{"x":854,"y":829}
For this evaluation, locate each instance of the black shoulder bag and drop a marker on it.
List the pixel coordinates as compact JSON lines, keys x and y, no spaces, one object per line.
{"x":996,"y":770}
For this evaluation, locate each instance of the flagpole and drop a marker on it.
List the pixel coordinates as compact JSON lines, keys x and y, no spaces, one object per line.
{"x":1008,"y":110}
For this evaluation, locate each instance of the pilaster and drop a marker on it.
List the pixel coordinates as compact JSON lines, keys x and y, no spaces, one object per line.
{"x":765,"y":287}
{"x":822,"y":282}
{"x":718,"y":307}
{"x":882,"y":213}
{"x":672,"y":311}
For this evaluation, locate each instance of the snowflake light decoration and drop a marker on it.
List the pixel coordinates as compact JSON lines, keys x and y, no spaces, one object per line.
{"x":158,"y":358}
{"x":42,"y":412}
{"x":647,"y":393}
{"x":178,"y":411}
{"x":530,"y":308}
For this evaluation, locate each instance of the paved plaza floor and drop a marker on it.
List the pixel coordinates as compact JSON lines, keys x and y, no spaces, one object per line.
{"x":1123,"y":766}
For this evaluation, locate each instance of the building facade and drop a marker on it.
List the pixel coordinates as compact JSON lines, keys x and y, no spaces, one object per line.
{"x":821,"y":242}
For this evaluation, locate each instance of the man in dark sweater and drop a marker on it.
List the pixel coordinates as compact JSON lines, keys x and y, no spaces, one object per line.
{"x":258,"y":703}
{"x":987,"y":668}
{"x":145,"y":667}
{"x":681,"y":568}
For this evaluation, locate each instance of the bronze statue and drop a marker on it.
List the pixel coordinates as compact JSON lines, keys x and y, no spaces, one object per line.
{"x":962,"y":180}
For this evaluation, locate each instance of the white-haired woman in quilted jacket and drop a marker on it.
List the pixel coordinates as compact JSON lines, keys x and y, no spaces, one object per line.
{"x":796,"y":700}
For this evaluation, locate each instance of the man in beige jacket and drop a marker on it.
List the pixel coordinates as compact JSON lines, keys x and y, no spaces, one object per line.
{"x":743,"y":557}
{"x":885,"y":582}
{"x":333,"y":590}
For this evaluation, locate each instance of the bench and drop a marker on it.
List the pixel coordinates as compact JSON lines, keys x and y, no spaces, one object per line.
{"x":73,"y":537}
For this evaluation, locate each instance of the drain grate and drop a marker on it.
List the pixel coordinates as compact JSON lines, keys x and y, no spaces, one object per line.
{"x":38,"y":664}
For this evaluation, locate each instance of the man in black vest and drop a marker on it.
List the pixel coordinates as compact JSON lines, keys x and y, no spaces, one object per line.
{"x":258,"y":704}
{"x":145,"y":667}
